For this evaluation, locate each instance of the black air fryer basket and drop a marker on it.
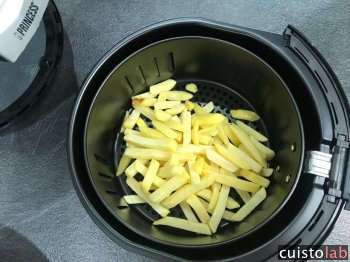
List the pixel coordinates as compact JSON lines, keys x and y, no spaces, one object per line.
{"x":283,"y":78}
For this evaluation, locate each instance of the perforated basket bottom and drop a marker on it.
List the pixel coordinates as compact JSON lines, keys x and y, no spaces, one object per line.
{"x":224,"y":100}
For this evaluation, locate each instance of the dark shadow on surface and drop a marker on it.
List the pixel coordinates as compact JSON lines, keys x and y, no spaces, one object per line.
{"x":63,"y":87}
{"x":16,"y":248}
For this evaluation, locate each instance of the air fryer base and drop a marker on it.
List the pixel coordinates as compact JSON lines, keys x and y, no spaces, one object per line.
{"x":306,"y":220}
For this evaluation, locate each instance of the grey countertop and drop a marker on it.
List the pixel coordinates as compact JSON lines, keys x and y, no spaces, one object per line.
{"x":41,"y":217}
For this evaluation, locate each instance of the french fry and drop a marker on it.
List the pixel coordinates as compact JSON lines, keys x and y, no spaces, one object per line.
{"x":140,"y":168}
{"x":215,"y":157}
{"x":151,"y":133}
{"x":244,"y":195}
{"x":133,"y":199}
{"x":236,"y":182}
{"x":266,"y":172}
{"x":131,"y":170}
{"x":175,"y":125}
{"x":195,"y":178}
{"x":222,"y":134}
{"x":231,"y":203}
{"x":188,"y":211}
{"x":146,"y":111}
{"x":234,"y":140}
{"x":244,"y":139}
{"x":207,"y":129}
{"x":205,"y":194}
{"x":176,"y":109}
{"x":262,"y":148}
{"x":215,"y":187}
{"x":199,"y":110}
{"x":150,"y":176}
{"x":198,"y":166}
{"x":245,"y":210}
{"x":187,"y":190}
{"x":178,"y":95}
{"x":194,"y":134}
{"x":148,"y":102}
{"x":189,"y":105}
{"x":186,"y":121}
{"x":144,"y":95}
{"x":166,"y":104}
{"x":198,"y":208}
{"x":123,"y":164}
{"x":162,"y":97}
{"x":132,"y":132}
{"x":250,"y":131}
{"x":227,"y":214}
{"x":257,"y":179}
{"x":205,"y":140}
{"x":126,"y":116}
{"x":161,"y":115}
{"x":174,"y":160}
{"x":208,"y":119}
{"x":164,"y":86}
{"x":131,"y":121}
{"x":213,"y":132}
{"x":184,"y":224}
{"x":165,"y":130}
{"x":179,"y":137}
{"x":140,"y":123}
{"x":132,"y":183}
{"x":161,"y":144}
{"x":199,"y":150}
{"x":214,"y":167}
{"x":219,"y":208}
{"x":209,"y":107}
{"x":244,"y":115}
{"x":170,"y":171}
{"x":175,"y":118}
{"x":171,"y":185}
{"x":191,"y":87}
{"x":233,"y":158}
{"x":159,"y":155}
{"x":244,"y":150}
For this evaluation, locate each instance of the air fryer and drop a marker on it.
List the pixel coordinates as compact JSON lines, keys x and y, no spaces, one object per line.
{"x":303,"y":110}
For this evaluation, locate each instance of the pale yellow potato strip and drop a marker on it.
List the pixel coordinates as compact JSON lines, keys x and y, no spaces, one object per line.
{"x":215,"y":187}
{"x":188,"y":190}
{"x":144,"y":95}
{"x":175,"y":118}
{"x":124,"y":119}
{"x":209,"y":107}
{"x":150,"y":176}
{"x":215,"y":157}
{"x":131,"y":170}
{"x":162,"y":97}
{"x":151,"y":133}
{"x":159,"y":155}
{"x":186,"y":121}
{"x":213,"y":132}
{"x":208,"y":119}
{"x":244,"y":115}
{"x":234,"y":140}
{"x":227,"y":214}
{"x":161,"y":144}
{"x":184,"y":224}
{"x":256,"y":167}
{"x":161,"y":115}
{"x":132,"y":132}
{"x":146,"y":111}
{"x":231,"y":203}
{"x":178,"y":95}
{"x":236,"y":182}
{"x":191,"y":87}
{"x":233,"y":158}
{"x":140,"y":122}
{"x":166,"y":104}
{"x":168,"y":187}
{"x":207,"y":129}
{"x":174,"y":160}
{"x":140,"y":168}
{"x":170,"y":171}
{"x":198,"y":150}
{"x":266,"y":172}
{"x":123,"y":164}
{"x":194,"y":133}
{"x":252,"y":132}
{"x":148,"y":102}
{"x":205,"y":194}
{"x":134,"y":185}
{"x":188,"y":211}
{"x":198,"y":208}
{"x":176,"y":109}
{"x":262,"y":148}
{"x":131,"y":121}
{"x":257,"y":179}
{"x":198,"y":110}
{"x":244,"y":139}
{"x":175,"y":125}
{"x":244,"y":195}
{"x":133,"y":199}
{"x":205,"y":140}
{"x":219,"y":208}
{"x":250,"y":205}
{"x":164,"y":86}
{"x":195,"y":178}
{"x":198,"y":166}
{"x":165,"y":130}
{"x":189,"y":105}
{"x":222,"y":134}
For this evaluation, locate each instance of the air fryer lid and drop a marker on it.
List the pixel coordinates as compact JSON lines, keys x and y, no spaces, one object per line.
{"x":23,"y":81}
{"x":308,"y":210}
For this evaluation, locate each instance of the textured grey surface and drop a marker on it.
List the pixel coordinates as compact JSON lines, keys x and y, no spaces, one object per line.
{"x":41,"y":217}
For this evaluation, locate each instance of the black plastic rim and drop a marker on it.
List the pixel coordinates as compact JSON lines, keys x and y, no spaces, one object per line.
{"x":47,"y":66}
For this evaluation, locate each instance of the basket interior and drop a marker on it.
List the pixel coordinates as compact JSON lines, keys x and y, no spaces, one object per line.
{"x":226,"y":74}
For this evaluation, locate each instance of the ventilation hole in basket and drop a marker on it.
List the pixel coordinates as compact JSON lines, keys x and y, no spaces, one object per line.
{"x":139,"y":69}
{"x":205,"y":87}
{"x":101,"y":160}
{"x":148,"y":208}
{"x":154,"y":213}
{"x":122,"y":207}
{"x":218,"y":91}
{"x":123,"y":142}
{"x":156,"y":64}
{"x":236,"y":101}
{"x":222,"y":107}
{"x":215,"y":96}
{"x":227,"y":111}
{"x":207,"y":94}
{"x":211,"y":89}
{"x":104,"y":176}
{"x":200,"y":92}
{"x":202,"y":99}
{"x":241,"y":105}
{"x":226,"y":103}
{"x":230,"y":97}
{"x":220,"y":98}
{"x":171,"y":63}
{"x":143,"y":204}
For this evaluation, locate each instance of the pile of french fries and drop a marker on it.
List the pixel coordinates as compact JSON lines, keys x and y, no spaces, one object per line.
{"x":192,"y":157}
